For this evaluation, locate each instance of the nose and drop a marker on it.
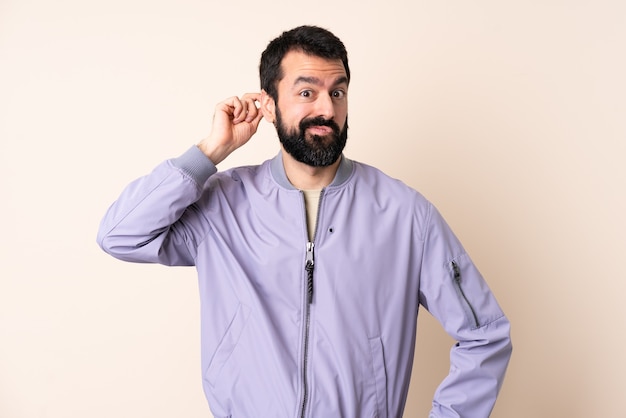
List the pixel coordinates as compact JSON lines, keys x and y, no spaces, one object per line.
{"x":324,"y":106}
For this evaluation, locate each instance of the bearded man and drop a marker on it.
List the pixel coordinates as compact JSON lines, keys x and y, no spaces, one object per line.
{"x":311,"y":266}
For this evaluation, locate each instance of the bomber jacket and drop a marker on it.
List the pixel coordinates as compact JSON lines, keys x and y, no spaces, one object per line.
{"x":292,"y":328}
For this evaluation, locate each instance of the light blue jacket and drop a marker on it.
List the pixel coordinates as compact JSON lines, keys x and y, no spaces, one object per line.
{"x":323,"y":329}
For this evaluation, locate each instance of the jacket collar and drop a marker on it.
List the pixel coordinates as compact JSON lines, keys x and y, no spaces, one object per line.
{"x":278,"y":172}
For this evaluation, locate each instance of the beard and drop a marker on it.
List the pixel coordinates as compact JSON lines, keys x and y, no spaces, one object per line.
{"x":313,"y":150}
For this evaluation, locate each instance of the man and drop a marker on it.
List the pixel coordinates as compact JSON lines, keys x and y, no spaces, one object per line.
{"x":311,"y":266}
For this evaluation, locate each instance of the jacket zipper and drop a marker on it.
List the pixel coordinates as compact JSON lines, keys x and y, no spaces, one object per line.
{"x":308,"y":267}
{"x":457,"y":281}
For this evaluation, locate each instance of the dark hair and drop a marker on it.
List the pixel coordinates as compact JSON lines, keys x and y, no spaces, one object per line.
{"x":311,"y":40}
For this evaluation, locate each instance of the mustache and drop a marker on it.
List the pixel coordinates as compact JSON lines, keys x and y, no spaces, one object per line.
{"x":319,"y":121}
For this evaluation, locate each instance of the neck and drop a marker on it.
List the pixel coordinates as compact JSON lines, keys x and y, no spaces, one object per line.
{"x":306,"y":177}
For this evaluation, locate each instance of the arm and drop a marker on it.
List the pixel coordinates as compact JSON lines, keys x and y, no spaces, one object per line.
{"x":454,"y":291}
{"x":154,"y":219}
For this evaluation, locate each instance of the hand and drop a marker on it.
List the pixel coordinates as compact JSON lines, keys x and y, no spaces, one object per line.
{"x":234,"y":122}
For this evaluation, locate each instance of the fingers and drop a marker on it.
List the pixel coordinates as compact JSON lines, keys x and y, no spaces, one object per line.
{"x":245,"y":109}
{"x":235,"y":121}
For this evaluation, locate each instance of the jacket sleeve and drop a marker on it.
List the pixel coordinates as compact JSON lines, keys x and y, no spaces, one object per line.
{"x":144,"y":224}
{"x":455,"y":293}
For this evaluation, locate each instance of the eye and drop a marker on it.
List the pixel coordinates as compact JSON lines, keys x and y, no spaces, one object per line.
{"x":306,"y":93}
{"x":339,"y":94}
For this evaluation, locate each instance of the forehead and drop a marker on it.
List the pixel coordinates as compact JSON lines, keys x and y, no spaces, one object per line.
{"x":297,"y":65}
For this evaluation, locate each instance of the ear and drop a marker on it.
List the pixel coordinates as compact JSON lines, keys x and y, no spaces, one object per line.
{"x":268,"y":107}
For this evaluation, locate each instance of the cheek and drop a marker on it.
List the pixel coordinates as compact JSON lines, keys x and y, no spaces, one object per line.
{"x":341,"y":109}
{"x":292,"y":114}
{"x":341,"y":115}
{"x":296,"y":117}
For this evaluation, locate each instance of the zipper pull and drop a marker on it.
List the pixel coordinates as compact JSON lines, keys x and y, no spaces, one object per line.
{"x":457,"y":272}
{"x":310,"y":263}
{"x":309,"y":254}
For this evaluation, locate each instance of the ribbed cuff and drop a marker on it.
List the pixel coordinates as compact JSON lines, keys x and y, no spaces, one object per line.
{"x":197,"y":165}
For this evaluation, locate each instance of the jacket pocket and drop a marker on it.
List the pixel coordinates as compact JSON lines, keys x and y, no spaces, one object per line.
{"x":469,"y":309}
{"x":380,"y":376}
{"x":476,"y":301}
{"x":227,"y":344}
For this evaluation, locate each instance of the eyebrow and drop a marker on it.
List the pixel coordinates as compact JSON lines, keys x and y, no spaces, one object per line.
{"x":316,"y":81}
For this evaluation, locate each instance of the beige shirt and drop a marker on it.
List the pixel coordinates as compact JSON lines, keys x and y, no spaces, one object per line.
{"x":311,"y":202}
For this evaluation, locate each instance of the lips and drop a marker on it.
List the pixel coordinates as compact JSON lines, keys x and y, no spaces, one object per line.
{"x":320,"y":130}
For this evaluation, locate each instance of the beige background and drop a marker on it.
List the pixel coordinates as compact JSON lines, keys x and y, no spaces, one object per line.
{"x":509,"y":116}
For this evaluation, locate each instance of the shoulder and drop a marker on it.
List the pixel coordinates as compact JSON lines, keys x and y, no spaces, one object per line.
{"x":387,"y":199}
{"x":389,"y":192}
{"x":238,"y":178}
{"x":381,"y":183}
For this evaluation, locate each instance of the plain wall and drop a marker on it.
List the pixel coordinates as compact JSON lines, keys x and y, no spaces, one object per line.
{"x":508,"y":116}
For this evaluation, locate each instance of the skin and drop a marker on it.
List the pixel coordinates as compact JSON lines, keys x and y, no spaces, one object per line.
{"x":311,"y":86}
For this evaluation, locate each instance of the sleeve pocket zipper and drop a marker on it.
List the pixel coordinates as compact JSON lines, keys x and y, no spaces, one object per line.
{"x":456,"y":271}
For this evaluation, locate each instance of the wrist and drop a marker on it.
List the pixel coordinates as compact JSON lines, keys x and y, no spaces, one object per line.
{"x":213,"y":152}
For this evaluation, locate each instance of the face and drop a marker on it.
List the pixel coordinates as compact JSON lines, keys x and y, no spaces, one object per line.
{"x":312,"y":109}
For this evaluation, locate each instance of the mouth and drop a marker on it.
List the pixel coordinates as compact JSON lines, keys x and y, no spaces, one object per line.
{"x":320,"y":130}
